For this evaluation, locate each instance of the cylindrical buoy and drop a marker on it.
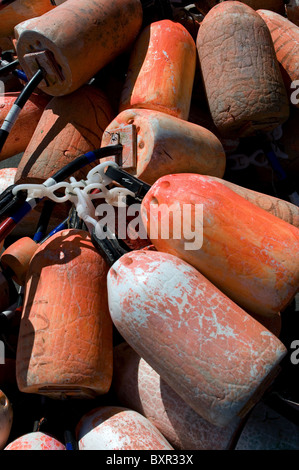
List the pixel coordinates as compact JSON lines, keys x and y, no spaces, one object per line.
{"x":241,"y":74}
{"x":65,"y":339}
{"x":16,"y":257}
{"x":248,"y":253}
{"x":35,"y":441}
{"x":213,"y":354}
{"x":21,"y":10}
{"x":69,"y":127}
{"x":21,"y":133}
{"x":75,"y":40}
{"x":279,"y":207}
{"x":164,"y":144}
{"x":6,"y":417}
{"x":139,"y":387}
{"x":118,"y":428}
{"x":292,"y":11}
{"x":161,"y":70}
{"x":285,"y":37}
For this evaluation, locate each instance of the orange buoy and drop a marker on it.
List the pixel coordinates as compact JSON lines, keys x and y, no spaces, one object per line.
{"x":21,"y":133}
{"x":6,"y":417}
{"x":139,"y":387}
{"x":65,"y":339}
{"x":21,"y":10}
{"x":214,"y":355}
{"x":161,"y":70}
{"x":35,"y":441}
{"x":248,"y":253}
{"x":69,"y":127}
{"x":285,"y":37}
{"x":292,"y":11}
{"x":156,"y":144}
{"x":243,"y":82}
{"x":17,"y":258}
{"x":117,"y":428}
{"x":279,"y":207}
{"x":75,"y":40}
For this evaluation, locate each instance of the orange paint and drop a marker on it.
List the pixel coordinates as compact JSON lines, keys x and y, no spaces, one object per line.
{"x":161,"y":70}
{"x":17,"y":257}
{"x":65,"y":339}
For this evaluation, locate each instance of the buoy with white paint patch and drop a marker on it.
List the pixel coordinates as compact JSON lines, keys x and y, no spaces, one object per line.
{"x":118,"y":428}
{"x":35,"y":441}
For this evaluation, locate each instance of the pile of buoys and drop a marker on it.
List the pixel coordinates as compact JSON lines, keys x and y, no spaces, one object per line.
{"x":149,"y":225}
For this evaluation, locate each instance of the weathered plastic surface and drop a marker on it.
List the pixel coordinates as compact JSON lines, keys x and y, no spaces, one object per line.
{"x":6,"y":417}
{"x":22,"y":131}
{"x":35,"y":441}
{"x":69,"y":127}
{"x":118,"y":428}
{"x":215,"y":356}
{"x":65,"y":339}
{"x":248,"y":253}
{"x":243,"y":82}
{"x":285,"y":37}
{"x":279,"y":207}
{"x":83,"y":37}
{"x":166,"y":144}
{"x":17,"y":256}
{"x":292,"y":11}
{"x":161,"y":70}
{"x":139,"y":387}
{"x":268,"y":430}
{"x":21,"y":10}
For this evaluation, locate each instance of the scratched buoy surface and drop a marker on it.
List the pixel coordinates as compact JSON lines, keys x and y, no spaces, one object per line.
{"x":35,"y":441}
{"x":248,"y":253}
{"x":118,"y":428}
{"x":210,"y":351}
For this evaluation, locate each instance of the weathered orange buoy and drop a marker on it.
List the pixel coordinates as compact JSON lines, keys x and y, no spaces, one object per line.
{"x":214,"y":355}
{"x":161,"y":70}
{"x":75,"y":40}
{"x":241,"y":74}
{"x":17,"y":258}
{"x":248,"y":253}
{"x":139,"y":387}
{"x":6,"y":417}
{"x":285,"y":36}
{"x":21,"y":10}
{"x":292,"y":11}
{"x":279,"y":207}
{"x":117,"y":428}
{"x":69,"y":126}
{"x":21,"y":133}
{"x":35,"y":441}
{"x":156,"y":144}
{"x":65,"y":339}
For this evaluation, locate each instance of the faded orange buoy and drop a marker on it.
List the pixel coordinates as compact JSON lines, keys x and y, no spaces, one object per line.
{"x":22,"y":131}
{"x":156,"y":144}
{"x":285,"y":37}
{"x":118,"y":428}
{"x":214,"y":355}
{"x":21,"y":10}
{"x":279,"y":207}
{"x":35,"y":441}
{"x":6,"y":417}
{"x":139,"y":387}
{"x":243,"y":82}
{"x":248,"y":253}
{"x":17,"y":258}
{"x":75,"y":40}
{"x":65,"y":339}
{"x":161,"y":70}
{"x":69,"y":127}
